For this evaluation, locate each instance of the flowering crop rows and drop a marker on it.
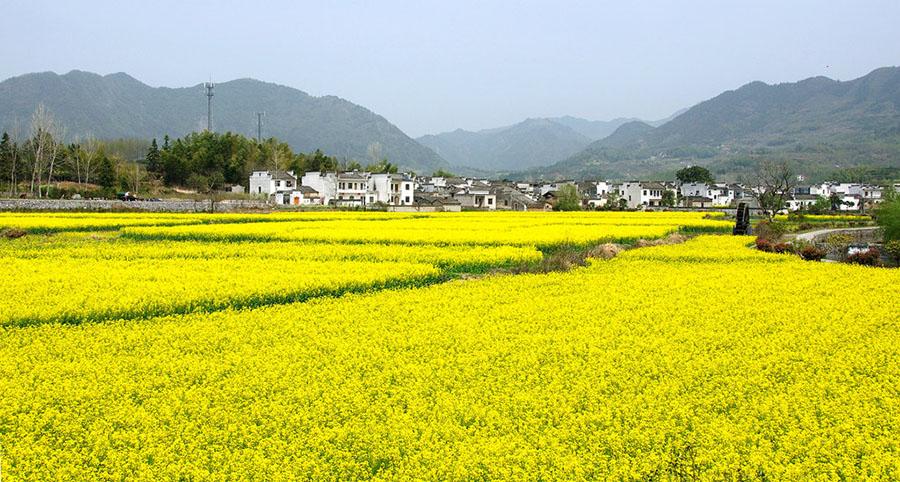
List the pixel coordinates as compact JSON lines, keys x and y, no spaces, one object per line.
{"x":703,"y":360}
{"x":524,"y":229}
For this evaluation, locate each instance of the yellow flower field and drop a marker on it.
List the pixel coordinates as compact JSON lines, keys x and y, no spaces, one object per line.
{"x":40,"y":222}
{"x":531,"y":229}
{"x":691,"y":361}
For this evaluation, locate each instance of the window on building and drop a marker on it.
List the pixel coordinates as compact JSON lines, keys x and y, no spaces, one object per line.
{"x":406,"y":186}
{"x":490,"y":201}
{"x":406,"y":199}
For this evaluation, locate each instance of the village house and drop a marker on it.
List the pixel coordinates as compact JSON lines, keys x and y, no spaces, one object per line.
{"x":351,"y":189}
{"x":511,"y":199}
{"x":697,"y":202}
{"x":305,"y":196}
{"x":476,"y":195}
{"x":273,"y":184}
{"x":324,"y":183}
{"x":642,"y":194}
{"x":423,"y":202}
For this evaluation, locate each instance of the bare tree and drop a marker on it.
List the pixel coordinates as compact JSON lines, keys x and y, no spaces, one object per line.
{"x":136,"y":177}
{"x":773,"y":183}
{"x":46,"y":137}
{"x":83,"y":158}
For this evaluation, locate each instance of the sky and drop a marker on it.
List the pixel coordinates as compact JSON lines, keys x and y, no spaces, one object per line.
{"x":431,"y":66}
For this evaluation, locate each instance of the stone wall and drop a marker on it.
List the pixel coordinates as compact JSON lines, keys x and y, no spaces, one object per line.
{"x":170,"y":206}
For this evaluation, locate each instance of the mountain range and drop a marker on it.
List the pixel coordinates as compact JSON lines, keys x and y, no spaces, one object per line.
{"x":527,"y":144}
{"x":819,"y":123}
{"x":119,"y":106}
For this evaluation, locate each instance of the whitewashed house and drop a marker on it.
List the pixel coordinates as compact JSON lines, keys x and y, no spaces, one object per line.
{"x":699,"y":189}
{"x":393,"y":189}
{"x":403,"y":190}
{"x":351,"y":189}
{"x":642,"y":194}
{"x":271,"y":182}
{"x":324,"y":183}
{"x":476,"y":195}
{"x":305,"y":196}
{"x":721,"y":194}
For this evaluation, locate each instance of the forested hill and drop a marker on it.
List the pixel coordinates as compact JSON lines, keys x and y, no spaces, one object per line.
{"x":119,"y":106}
{"x":819,"y":122}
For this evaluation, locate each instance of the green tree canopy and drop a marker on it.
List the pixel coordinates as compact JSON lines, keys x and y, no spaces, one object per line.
{"x":887,"y":215}
{"x":567,"y":199}
{"x":153,"y":159}
{"x":695,"y":174}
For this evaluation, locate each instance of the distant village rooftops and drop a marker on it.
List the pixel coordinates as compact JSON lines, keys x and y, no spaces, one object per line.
{"x":404,"y":191}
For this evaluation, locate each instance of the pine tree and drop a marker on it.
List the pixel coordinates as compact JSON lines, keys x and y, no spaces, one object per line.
{"x":106,"y":172}
{"x":5,"y":155}
{"x":154,"y":160}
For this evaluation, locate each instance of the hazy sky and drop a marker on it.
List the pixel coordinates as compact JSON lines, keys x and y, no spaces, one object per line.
{"x":434,"y":66}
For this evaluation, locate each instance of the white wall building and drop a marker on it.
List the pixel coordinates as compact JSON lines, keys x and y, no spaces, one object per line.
{"x":352,"y":188}
{"x":638,"y":194}
{"x":269,"y":182}
{"x":305,"y":196}
{"x":477,"y":195}
{"x":325,"y":183}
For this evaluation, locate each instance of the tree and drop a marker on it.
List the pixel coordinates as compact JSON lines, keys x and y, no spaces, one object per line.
{"x":106,"y":171}
{"x":821,"y":205}
{"x":694,"y":174}
{"x":12,"y":168}
{"x":773,"y":182}
{"x":442,"y":173}
{"x":382,"y":167}
{"x":6,"y":155}
{"x":887,"y":215}
{"x":567,"y":199}
{"x":154,"y":159}
{"x":668,"y":199}
{"x":612,"y":200}
{"x":45,"y":144}
{"x":834,"y":199}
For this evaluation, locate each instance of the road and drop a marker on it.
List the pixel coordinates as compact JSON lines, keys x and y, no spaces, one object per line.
{"x":812,"y":235}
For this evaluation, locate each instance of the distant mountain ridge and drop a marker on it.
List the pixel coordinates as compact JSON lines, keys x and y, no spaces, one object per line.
{"x":531,"y":143}
{"x":117,"y":105}
{"x":820,"y":123}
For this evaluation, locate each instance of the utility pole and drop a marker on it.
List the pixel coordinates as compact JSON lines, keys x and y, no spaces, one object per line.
{"x":259,"y":116}
{"x":209,"y":95}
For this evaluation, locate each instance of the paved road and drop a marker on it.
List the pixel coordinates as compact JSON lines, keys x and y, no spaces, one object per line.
{"x":812,"y":235}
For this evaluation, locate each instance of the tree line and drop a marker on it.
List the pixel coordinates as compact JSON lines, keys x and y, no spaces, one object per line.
{"x":40,"y":164}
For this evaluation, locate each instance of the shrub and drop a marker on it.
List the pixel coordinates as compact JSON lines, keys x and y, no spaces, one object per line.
{"x":892,"y":248}
{"x":837,"y":243}
{"x":812,"y":253}
{"x":763,"y":244}
{"x":782,"y":248}
{"x":770,"y":230}
{"x":872,"y":257}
